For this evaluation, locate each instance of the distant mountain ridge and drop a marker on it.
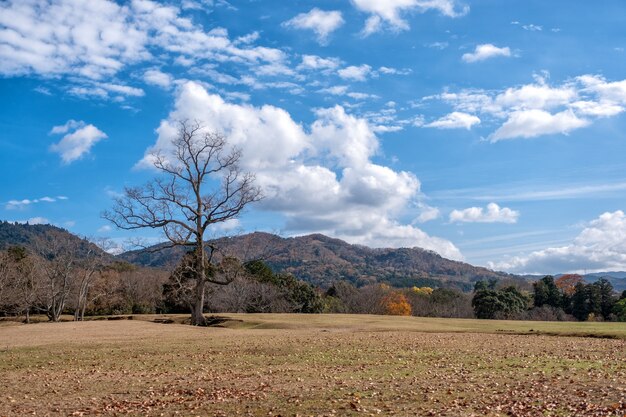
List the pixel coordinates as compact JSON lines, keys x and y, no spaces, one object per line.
{"x":617,"y":279}
{"x":318,"y":259}
{"x":322,"y":260}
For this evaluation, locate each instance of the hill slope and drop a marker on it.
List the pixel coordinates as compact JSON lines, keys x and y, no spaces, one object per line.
{"x":322,"y":260}
{"x":17,"y":234}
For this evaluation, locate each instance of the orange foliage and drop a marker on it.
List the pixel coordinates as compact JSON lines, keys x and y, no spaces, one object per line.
{"x":396,"y":304}
{"x":567,"y":283}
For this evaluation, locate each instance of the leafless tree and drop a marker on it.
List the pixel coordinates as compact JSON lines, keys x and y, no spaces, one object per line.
{"x":178,"y":203}
{"x":246,"y":295}
{"x":19,"y":282}
{"x":5,"y":269}
{"x":59,"y":266}
{"x":91,"y":262}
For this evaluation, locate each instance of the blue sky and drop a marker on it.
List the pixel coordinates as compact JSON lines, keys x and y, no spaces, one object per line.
{"x":488,"y":133}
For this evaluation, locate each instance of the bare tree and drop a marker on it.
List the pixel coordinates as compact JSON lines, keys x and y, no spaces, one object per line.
{"x":177,"y":202}
{"x":59,"y":265}
{"x":19,"y":282}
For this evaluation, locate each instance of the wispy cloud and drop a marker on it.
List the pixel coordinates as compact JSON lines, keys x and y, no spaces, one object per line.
{"x":25,"y":202}
{"x":514,"y":192}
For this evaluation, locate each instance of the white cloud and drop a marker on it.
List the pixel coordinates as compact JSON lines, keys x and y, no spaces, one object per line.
{"x":596,"y":109}
{"x":515,"y":192}
{"x":321,"y":22}
{"x":394,"y":71}
{"x":492,"y":214}
{"x":455,"y":120}
{"x":105,"y":229}
{"x":538,"y":108}
{"x":314,"y":62}
{"x":249,"y":38}
{"x":158,"y":78}
{"x":17,"y":204}
{"x":355,"y":73}
{"x":486,"y":51}
{"x":20,"y":204}
{"x":92,"y":41}
{"x":390,"y":12}
{"x":532,"y":27}
{"x":69,"y":125}
{"x":321,"y":177}
{"x":438,"y":45}
{"x":608,"y":92}
{"x":77,"y":143}
{"x":427,"y":213}
{"x":601,"y":246}
{"x":336,"y":90}
{"x":532,"y":123}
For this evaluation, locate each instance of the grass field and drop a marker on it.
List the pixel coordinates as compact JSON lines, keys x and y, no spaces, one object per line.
{"x":300,"y":365}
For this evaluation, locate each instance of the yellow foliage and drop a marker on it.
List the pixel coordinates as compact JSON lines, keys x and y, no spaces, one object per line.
{"x":422,"y":290}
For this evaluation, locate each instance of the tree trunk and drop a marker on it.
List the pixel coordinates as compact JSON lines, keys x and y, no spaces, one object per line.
{"x":197,"y":309}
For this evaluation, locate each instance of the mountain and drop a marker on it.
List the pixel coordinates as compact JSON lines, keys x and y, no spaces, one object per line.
{"x":322,"y":260}
{"x":617,"y":279}
{"x":614,"y":274}
{"x":26,"y":235}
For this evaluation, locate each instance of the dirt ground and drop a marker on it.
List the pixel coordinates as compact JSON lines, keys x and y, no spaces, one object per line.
{"x":133,"y":367}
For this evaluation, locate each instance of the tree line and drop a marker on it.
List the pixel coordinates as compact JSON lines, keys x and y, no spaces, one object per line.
{"x":63,"y":276}
{"x":565,"y":298}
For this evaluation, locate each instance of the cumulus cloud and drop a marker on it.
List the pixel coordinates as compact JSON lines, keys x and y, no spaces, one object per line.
{"x":78,"y":141}
{"x":486,"y":51}
{"x":455,"y":120}
{"x":158,"y":78}
{"x":492,"y":214}
{"x":323,"y":23}
{"x":93,"y":41}
{"x":601,"y":246}
{"x":538,"y":108}
{"x":535,"y":122}
{"x":390,"y":12}
{"x":320,"y":177}
{"x":355,"y":73}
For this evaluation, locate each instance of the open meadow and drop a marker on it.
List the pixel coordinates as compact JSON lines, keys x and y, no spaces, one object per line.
{"x":301,"y":365}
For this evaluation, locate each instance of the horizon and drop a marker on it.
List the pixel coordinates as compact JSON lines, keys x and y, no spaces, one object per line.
{"x":488,"y":134}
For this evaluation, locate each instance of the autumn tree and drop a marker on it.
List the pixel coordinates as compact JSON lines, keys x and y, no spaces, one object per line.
{"x":567,"y":283}
{"x":396,"y":304}
{"x":199,"y":184}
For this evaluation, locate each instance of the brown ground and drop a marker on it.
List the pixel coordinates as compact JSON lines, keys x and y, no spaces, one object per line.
{"x":142,"y":368}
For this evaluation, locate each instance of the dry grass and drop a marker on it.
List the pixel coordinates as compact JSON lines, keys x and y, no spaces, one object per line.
{"x":311,"y":365}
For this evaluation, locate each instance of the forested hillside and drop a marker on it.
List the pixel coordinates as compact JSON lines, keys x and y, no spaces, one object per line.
{"x":322,"y":260}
